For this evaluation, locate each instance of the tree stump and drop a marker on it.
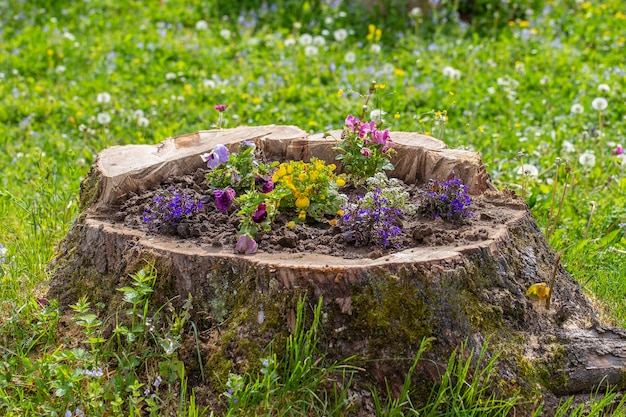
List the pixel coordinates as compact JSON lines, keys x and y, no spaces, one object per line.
{"x":377,"y":309}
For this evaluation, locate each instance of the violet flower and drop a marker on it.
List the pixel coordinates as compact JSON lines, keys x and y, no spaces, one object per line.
{"x":246,"y":244}
{"x":264,"y":184}
{"x":217,"y":156}
{"x":619,"y":150}
{"x":221,"y":107}
{"x":366,"y":152}
{"x":260,"y":214}
{"x":224,"y":198}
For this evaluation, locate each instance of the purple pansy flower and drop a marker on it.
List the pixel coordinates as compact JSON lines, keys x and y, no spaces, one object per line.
{"x":366,"y":152}
{"x":224,"y":198}
{"x":264,"y":184}
{"x":260,"y":214}
{"x":246,"y":244}
{"x":217,"y":156}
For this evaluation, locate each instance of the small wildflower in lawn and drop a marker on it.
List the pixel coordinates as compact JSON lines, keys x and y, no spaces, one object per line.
{"x":375,"y":48}
{"x":604,"y":88}
{"x":451,"y":72}
{"x":3,"y":253}
{"x":216,"y":157}
{"x":221,"y":108}
{"x":449,"y":201}
{"x":340,"y":35}
{"x":225,"y":34}
{"x":577,"y":108}
{"x":319,"y":41}
{"x":618,"y":150}
{"x":377,"y":115}
{"x":224,"y":198}
{"x":202,"y":25}
{"x":528,"y":170}
{"x":587,"y":159}
{"x":599,"y":103}
{"x":305,"y":39}
{"x":311,"y":50}
{"x":103,"y":118}
{"x":568,"y":147}
{"x":103,"y":98}
{"x":350,"y":57}
{"x":143,"y":122}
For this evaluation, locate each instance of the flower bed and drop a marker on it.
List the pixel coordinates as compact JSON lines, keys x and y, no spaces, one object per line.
{"x":244,"y":203}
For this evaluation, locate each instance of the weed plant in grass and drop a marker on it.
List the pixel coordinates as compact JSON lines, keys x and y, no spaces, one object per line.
{"x":78,"y":77}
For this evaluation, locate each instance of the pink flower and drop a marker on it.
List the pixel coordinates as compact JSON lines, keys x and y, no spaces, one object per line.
{"x":380,"y":136}
{"x":352,"y":122}
{"x":221,"y":107}
{"x":224,"y":198}
{"x":618,"y":151}
{"x":367,"y":128}
{"x":366,"y":152}
{"x":246,"y":244}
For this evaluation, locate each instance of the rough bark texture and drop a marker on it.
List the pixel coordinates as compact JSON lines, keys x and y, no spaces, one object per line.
{"x":377,"y":309}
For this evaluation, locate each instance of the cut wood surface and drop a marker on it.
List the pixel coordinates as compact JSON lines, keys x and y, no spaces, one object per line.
{"x":377,"y":309}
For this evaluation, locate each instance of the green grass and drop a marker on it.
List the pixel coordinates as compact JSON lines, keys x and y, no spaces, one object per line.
{"x":519,"y":78}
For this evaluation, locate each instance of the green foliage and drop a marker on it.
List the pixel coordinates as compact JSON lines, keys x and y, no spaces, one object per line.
{"x":297,"y":385}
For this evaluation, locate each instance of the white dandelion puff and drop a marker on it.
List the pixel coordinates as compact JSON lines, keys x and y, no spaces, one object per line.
{"x":577,"y":108}
{"x":587,"y":158}
{"x":103,"y":98}
{"x":599,"y":103}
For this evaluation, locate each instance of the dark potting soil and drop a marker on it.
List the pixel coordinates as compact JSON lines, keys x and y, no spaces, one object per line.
{"x":216,"y":228}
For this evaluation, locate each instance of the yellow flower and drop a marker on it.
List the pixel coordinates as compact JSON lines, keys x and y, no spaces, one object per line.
{"x":481,"y":129}
{"x":396,"y":116}
{"x":340,"y":93}
{"x":332,"y":222}
{"x":256,"y":100}
{"x":302,"y":176}
{"x":291,"y":225}
{"x":312,"y":123}
{"x":340,"y":182}
{"x":302,"y":215}
{"x":524,"y":24}
{"x":399,"y":72}
{"x":281,"y":172}
{"x":303,"y":202}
